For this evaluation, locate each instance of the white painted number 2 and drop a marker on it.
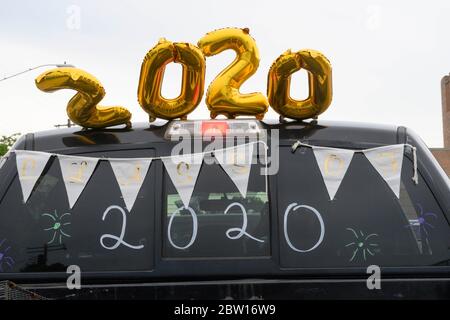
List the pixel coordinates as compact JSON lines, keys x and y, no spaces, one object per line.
{"x":119,"y":239}
{"x":240,"y":231}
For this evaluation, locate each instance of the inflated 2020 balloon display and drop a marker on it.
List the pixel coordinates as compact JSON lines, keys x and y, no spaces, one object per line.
{"x":82,"y":109}
{"x":319,"y":78}
{"x":223,"y":96}
{"x":152,"y":74}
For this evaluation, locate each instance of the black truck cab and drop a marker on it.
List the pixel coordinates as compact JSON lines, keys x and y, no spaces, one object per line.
{"x":151,"y":252}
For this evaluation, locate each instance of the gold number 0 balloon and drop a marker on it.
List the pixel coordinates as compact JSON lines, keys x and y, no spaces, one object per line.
{"x":319,"y":78}
{"x":152,"y":75}
{"x":82,"y":109}
{"x":223,"y":96}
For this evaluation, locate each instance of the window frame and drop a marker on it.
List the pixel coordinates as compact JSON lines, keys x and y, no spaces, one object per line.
{"x":164,"y":214}
{"x":394,"y":270}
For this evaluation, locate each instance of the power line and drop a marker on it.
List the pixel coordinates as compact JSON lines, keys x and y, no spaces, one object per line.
{"x":37,"y":67}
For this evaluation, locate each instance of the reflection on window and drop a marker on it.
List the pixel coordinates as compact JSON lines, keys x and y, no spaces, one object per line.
{"x":214,"y":203}
{"x":219,"y":221}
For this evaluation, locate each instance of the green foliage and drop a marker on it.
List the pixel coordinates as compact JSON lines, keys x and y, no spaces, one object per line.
{"x":3,"y":149}
{"x":7,"y":142}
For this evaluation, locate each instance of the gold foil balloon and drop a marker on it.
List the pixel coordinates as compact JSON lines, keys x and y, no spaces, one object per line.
{"x":223,"y":96}
{"x":82,"y":109}
{"x":152,"y":75}
{"x":319,"y":78}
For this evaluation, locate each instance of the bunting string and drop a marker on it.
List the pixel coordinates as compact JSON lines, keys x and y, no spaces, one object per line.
{"x":130,"y":173}
{"x":149,"y":158}
{"x":375,"y":156}
{"x":184,"y":169}
{"x":415,"y":177}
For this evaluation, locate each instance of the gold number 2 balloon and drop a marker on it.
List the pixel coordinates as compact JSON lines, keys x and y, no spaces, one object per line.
{"x":223,"y":96}
{"x":82,"y":109}
{"x":152,"y":75}
{"x":319,"y":78}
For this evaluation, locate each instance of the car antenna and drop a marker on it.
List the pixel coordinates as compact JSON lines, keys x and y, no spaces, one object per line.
{"x":69,"y":124}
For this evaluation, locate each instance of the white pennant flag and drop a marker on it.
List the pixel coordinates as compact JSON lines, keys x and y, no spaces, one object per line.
{"x":183,"y":171}
{"x":237,"y":163}
{"x":30,"y":165}
{"x":333,"y":164}
{"x":76,"y":172}
{"x":130,"y":175}
{"x":388,"y":162}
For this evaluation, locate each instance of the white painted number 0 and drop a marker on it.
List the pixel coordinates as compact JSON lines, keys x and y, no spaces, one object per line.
{"x":285,"y":224}
{"x":194,"y":228}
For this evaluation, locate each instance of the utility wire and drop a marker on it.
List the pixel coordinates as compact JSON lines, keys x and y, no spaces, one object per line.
{"x":37,"y":67}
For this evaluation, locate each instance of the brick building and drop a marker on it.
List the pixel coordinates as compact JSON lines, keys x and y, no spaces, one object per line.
{"x":443,"y":154}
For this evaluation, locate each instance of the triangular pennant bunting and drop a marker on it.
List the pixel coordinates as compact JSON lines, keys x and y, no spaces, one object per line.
{"x":183,"y":171}
{"x":333,"y":164}
{"x":130,"y":175}
{"x":388,"y":162}
{"x":237,"y":163}
{"x":76,"y":172}
{"x":30,"y":165}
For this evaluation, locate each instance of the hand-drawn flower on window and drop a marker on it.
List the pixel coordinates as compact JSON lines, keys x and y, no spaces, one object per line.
{"x":362,"y":244}
{"x":56,"y":227}
{"x":422,"y":221}
{"x":5,"y":260}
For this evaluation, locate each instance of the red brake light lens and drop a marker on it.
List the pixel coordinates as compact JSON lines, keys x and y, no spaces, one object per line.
{"x":213,"y":128}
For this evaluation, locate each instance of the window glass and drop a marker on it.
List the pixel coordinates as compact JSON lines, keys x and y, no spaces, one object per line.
{"x":242,"y":231}
{"x":46,"y":235}
{"x":365,"y":223}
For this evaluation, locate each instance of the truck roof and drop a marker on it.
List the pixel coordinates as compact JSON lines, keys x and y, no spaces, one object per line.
{"x":333,"y":133}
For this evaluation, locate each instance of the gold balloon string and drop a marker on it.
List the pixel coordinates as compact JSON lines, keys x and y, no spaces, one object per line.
{"x":415,"y":177}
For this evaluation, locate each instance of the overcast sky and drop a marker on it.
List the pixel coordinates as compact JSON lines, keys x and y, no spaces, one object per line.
{"x":388,"y":57}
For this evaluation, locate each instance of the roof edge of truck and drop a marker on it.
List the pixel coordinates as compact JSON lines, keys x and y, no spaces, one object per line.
{"x":266,"y":122}
{"x":144,"y":133}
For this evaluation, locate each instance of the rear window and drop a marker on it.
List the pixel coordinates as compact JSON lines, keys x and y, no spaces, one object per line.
{"x":365,"y":223}
{"x":208,"y":229}
{"x":44,"y":235}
